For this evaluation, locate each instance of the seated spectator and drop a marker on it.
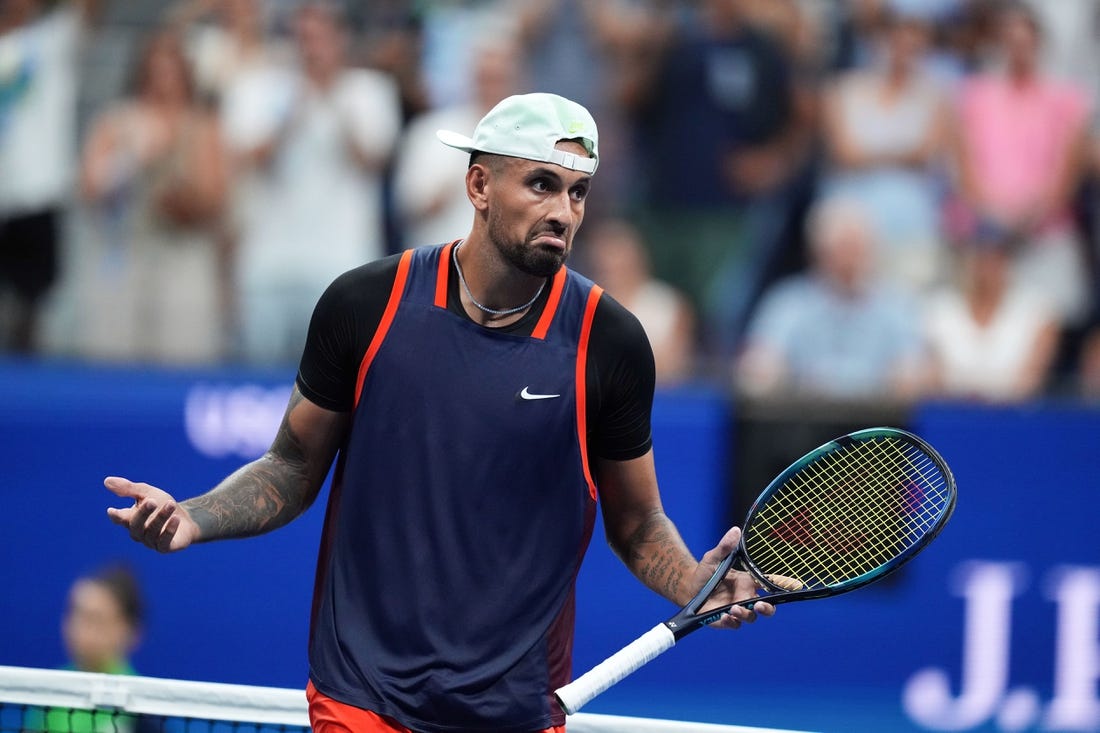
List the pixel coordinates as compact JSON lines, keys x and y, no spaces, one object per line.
{"x":884,"y":134}
{"x":988,"y":339}
{"x":153,"y":173}
{"x":617,"y":257}
{"x":836,"y":331}
{"x":1021,"y":148}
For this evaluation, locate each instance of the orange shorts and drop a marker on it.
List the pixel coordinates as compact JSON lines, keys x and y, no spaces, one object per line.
{"x":329,"y":716}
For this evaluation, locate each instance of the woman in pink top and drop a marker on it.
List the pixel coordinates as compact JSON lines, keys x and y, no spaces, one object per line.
{"x":1021,"y":147}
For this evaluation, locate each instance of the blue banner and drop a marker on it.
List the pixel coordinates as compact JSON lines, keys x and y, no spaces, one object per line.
{"x":996,"y":627}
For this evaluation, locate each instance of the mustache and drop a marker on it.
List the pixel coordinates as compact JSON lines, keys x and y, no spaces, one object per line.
{"x":556,"y":231}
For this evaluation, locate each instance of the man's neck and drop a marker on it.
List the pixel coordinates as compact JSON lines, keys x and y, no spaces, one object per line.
{"x":489,"y":283}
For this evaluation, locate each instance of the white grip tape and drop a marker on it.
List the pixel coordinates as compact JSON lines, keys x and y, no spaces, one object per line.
{"x":646,"y":647}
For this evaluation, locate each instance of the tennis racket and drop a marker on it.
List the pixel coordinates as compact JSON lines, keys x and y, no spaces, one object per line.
{"x":840,"y":517}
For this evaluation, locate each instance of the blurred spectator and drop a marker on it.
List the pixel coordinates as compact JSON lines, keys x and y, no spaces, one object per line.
{"x":103,"y":621}
{"x":225,"y":39}
{"x":100,"y":628}
{"x":988,"y":339}
{"x":1022,"y":141}
{"x":39,"y":61}
{"x":722,"y":134}
{"x":154,"y":175}
{"x":884,"y":133}
{"x":429,"y":193}
{"x":314,"y":141}
{"x":616,"y":255}
{"x":837,"y":331}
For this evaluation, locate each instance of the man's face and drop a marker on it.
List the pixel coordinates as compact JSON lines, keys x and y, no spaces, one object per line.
{"x":534,"y":211}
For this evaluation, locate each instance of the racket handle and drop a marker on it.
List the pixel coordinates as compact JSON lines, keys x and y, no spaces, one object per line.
{"x":608,"y":672}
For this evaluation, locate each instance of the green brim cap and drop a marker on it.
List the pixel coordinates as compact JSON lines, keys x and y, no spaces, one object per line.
{"x":529,"y":126}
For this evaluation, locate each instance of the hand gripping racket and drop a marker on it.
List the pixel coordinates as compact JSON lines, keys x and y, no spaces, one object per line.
{"x":840,"y":517}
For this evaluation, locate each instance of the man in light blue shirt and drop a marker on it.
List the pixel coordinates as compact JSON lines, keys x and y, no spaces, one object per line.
{"x":837,"y":331}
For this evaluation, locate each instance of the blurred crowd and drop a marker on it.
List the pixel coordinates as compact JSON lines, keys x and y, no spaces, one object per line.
{"x":836,"y":199}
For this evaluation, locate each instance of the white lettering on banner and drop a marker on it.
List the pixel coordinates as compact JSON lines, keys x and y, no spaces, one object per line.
{"x":1077,"y":662}
{"x":238,"y":420}
{"x":988,"y":589}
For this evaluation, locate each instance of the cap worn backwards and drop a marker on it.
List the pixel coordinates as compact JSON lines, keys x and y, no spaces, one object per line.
{"x":530,"y":126}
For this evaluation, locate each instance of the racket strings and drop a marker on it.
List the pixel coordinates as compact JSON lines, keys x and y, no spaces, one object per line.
{"x":848,"y":512}
{"x":858,"y":530}
{"x":893,"y":520}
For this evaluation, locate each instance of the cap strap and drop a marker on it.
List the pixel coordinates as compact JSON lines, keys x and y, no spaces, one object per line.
{"x":572,"y":161}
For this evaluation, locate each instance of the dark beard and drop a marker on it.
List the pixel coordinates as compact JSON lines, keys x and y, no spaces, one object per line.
{"x":534,"y":261}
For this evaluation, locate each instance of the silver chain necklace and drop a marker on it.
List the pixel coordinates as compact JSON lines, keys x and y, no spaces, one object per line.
{"x":485,"y":308}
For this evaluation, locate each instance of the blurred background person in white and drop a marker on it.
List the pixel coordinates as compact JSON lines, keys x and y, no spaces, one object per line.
{"x":838,"y":331}
{"x":430,"y":200}
{"x":40,"y":46}
{"x":152,"y":277}
{"x":617,"y":259}
{"x":885,"y":131}
{"x":989,"y":339}
{"x":314,"y":141}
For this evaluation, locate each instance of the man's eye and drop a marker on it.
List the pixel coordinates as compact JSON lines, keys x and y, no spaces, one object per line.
{"x":580,"y":193}
{"x":540,"y":185}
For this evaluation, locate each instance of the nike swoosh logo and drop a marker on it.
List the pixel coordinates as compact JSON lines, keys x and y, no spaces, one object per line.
{"x":527,"y":395}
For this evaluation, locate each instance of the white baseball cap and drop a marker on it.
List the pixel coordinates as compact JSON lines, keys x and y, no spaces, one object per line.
{"x":529,"y":126}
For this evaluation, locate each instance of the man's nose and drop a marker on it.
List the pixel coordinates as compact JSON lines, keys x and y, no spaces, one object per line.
{"x":561,"y":214}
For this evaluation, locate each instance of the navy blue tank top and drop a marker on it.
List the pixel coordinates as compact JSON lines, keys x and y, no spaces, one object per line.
{"x":459,"y":514}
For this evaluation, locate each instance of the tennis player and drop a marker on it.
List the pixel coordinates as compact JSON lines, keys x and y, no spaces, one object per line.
{"x":478,"y":398}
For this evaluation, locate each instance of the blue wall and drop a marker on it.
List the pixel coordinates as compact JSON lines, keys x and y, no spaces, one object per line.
{"x":995,"y":628}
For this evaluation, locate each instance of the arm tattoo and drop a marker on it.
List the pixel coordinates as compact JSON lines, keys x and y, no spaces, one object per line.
{"x":657,"y":555}
{"x":261,"y":496}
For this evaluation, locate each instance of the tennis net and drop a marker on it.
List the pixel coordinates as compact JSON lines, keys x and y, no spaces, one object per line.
{"x":60,"y":701}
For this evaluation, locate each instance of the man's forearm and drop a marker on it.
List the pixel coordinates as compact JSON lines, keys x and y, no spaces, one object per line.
{"x":657,"y":555}
{"x":257,"y":498}
{"x":264,"y":494}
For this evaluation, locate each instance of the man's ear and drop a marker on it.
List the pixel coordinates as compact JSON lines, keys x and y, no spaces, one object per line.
{"x":477,"y":186}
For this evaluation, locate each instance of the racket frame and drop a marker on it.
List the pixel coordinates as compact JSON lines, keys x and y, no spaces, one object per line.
{"x":690,"y":618}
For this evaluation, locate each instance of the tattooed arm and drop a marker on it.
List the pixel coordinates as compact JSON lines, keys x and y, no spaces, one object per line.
{"x":647,"y":541}
{"x":259,"y":497}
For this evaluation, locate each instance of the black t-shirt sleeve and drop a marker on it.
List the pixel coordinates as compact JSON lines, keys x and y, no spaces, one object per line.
{"x":621,"y":380}
{"x":344,"y":322}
